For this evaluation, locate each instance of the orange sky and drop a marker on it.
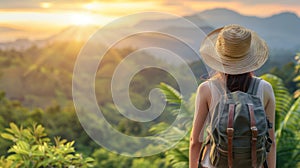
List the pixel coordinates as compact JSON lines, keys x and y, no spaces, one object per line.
{"x":46,"y":17}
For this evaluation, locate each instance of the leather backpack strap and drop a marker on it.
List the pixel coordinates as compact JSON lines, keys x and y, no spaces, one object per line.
{"x":254,"y":135}
{"x":230,"y":132}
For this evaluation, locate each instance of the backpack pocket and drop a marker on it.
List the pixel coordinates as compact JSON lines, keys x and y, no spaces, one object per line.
{"x":222,"y":158}
{"x":241,"y":158}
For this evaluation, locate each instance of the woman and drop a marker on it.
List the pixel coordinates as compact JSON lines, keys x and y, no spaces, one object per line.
{"x":234,"y":52}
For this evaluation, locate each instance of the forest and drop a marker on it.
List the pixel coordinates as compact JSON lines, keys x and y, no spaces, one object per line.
{"x":39,"y":126}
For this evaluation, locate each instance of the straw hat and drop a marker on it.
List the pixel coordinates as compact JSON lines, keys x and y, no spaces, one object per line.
{"x":234,"y":49}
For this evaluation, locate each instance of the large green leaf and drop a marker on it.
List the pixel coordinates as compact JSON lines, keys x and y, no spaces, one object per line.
{"x":173,"y":97}
{"x":287,"y":124}
{"x":288,"y":138}
{"x":283,"y":97}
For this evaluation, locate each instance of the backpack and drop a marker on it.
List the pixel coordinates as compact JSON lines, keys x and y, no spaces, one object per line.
{"x":238,"y":129}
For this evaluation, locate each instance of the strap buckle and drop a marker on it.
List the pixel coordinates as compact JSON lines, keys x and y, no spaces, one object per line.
{"x":254,"y":131}
{"x":230,"y":132}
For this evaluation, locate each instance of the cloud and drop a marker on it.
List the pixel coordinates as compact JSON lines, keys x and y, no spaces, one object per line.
{"x":31,"y":4}
{"x":25,"y":4}
{"x":254,"y":2}
{"x":285,"y":2}
{"x":123,"y":7}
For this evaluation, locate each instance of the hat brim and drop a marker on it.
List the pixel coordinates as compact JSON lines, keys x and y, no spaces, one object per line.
{"x":253,"y":60}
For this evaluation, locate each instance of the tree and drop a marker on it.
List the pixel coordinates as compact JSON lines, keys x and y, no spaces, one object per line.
{"x":106,"y":158}
{"x":297,"y":78}
{"x":32,"y":148}
{"x":178,"y":157}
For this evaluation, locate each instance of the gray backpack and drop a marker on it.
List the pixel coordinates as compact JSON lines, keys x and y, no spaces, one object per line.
{"x":238,"y":130}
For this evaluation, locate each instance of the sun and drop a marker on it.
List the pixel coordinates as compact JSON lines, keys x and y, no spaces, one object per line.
{"x":46,"y":5}
{"x":82,"y":19}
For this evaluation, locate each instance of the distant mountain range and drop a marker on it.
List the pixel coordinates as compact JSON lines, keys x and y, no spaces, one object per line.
{"x":281,"y":31}
{"x":69,"y":34}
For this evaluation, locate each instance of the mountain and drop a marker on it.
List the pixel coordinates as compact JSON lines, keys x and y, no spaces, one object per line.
{"x":73,"y":33}
{"x":69,"y":34}
{"x":163,"y":23}
{"x":281,"y":31}
{"x":19,"y":44}
{"x":8,"y":29}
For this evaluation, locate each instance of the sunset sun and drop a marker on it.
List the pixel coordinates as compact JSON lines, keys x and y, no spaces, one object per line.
{"x":82,"y":19}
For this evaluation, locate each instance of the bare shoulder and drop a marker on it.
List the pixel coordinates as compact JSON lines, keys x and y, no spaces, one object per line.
{"x":204,"y":90}
{"x":203,"y":94}
{"x":203,"y":87}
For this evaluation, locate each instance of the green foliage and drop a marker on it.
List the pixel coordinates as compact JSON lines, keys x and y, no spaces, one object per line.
{"x":129,"y":127}
{"x":137,"y":163}
{"x":32,"y":148}
{"x":288,"y":138}
{"x":286,"y":72}
{"x":297,"y":78}
{"x":283,"y":97}
{"x":287,"y":124}
{"x":62,"y":121}
{"x":58,"y":121}
{"x":142,"y":162}
{"x":41,"y":78}
{"x":175,"y":100}
{"x":105,"y":158}
{"x":179,"y":156}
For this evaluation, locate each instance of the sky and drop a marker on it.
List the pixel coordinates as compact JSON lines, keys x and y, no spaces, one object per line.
{"x":39,"y":18}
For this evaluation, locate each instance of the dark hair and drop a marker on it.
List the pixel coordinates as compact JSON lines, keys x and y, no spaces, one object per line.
{"x":239,"y":82}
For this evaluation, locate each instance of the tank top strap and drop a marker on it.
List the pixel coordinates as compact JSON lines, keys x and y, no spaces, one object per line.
{"x":260,"y":90}
{"x":216,"y":94}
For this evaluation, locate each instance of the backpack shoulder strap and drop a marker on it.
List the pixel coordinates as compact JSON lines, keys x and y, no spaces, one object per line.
{"x":253,"y":87}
